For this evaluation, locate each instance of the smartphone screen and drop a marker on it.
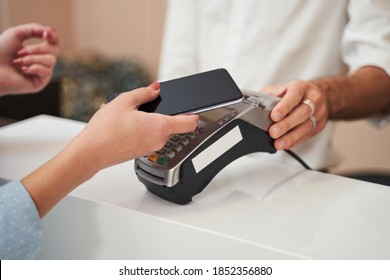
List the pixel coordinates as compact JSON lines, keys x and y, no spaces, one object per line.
{"x":195,"y":93}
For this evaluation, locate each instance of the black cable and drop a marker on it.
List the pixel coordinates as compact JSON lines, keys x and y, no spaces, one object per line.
{"x":295,"y":156}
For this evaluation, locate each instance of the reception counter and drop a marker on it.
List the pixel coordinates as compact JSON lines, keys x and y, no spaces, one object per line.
{"x":256,"y":208}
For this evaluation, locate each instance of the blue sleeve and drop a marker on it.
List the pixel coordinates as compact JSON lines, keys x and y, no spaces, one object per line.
{"x":20,"y":224}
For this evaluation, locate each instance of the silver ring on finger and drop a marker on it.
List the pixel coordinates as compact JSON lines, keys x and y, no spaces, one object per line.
{"x":314,"y":122}
{"x":311,"y":105}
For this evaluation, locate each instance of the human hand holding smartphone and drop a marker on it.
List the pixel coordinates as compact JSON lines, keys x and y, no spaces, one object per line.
{"x":194,"y":94}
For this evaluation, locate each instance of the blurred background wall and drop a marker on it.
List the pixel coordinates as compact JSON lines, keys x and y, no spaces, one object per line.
{"x":133,"y":29}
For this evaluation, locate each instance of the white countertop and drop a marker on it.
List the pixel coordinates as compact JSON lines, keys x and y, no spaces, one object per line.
{"x":255,"y":208}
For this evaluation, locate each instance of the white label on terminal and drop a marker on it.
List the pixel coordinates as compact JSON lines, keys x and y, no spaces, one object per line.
{"x":217,"y":149}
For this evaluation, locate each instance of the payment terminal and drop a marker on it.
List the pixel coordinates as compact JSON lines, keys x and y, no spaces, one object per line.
{"x":188,"y":162}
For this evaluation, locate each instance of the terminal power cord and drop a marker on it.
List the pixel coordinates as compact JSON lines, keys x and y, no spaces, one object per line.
{"x":301,"y":161}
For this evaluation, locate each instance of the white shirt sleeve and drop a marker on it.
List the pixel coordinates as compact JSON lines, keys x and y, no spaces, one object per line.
{"x":20,"y":224}
{"x":366,"y":39}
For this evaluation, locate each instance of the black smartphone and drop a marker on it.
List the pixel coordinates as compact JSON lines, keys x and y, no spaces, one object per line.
{"x":194,"y":94}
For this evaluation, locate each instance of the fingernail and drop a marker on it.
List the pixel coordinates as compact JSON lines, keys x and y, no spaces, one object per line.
{"x":17,"y":62}
{"x":155,"y":85}
{"x":275,"y":132}
{"x":22,"y":52}
{"x":47,"y":35}
{"x":280,"y":145}
{"x":24,"y":68}
{"x":276,"y":116}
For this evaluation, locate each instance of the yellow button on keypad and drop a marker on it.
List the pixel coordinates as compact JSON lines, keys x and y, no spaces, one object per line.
{"x":153,"y":157}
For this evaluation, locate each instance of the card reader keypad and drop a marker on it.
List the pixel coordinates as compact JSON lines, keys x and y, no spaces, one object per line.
{"x":178,"y":142}
{"x":174,"y":146}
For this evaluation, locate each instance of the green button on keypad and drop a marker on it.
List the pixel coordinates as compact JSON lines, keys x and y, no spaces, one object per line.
{"x":162,"y":160}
